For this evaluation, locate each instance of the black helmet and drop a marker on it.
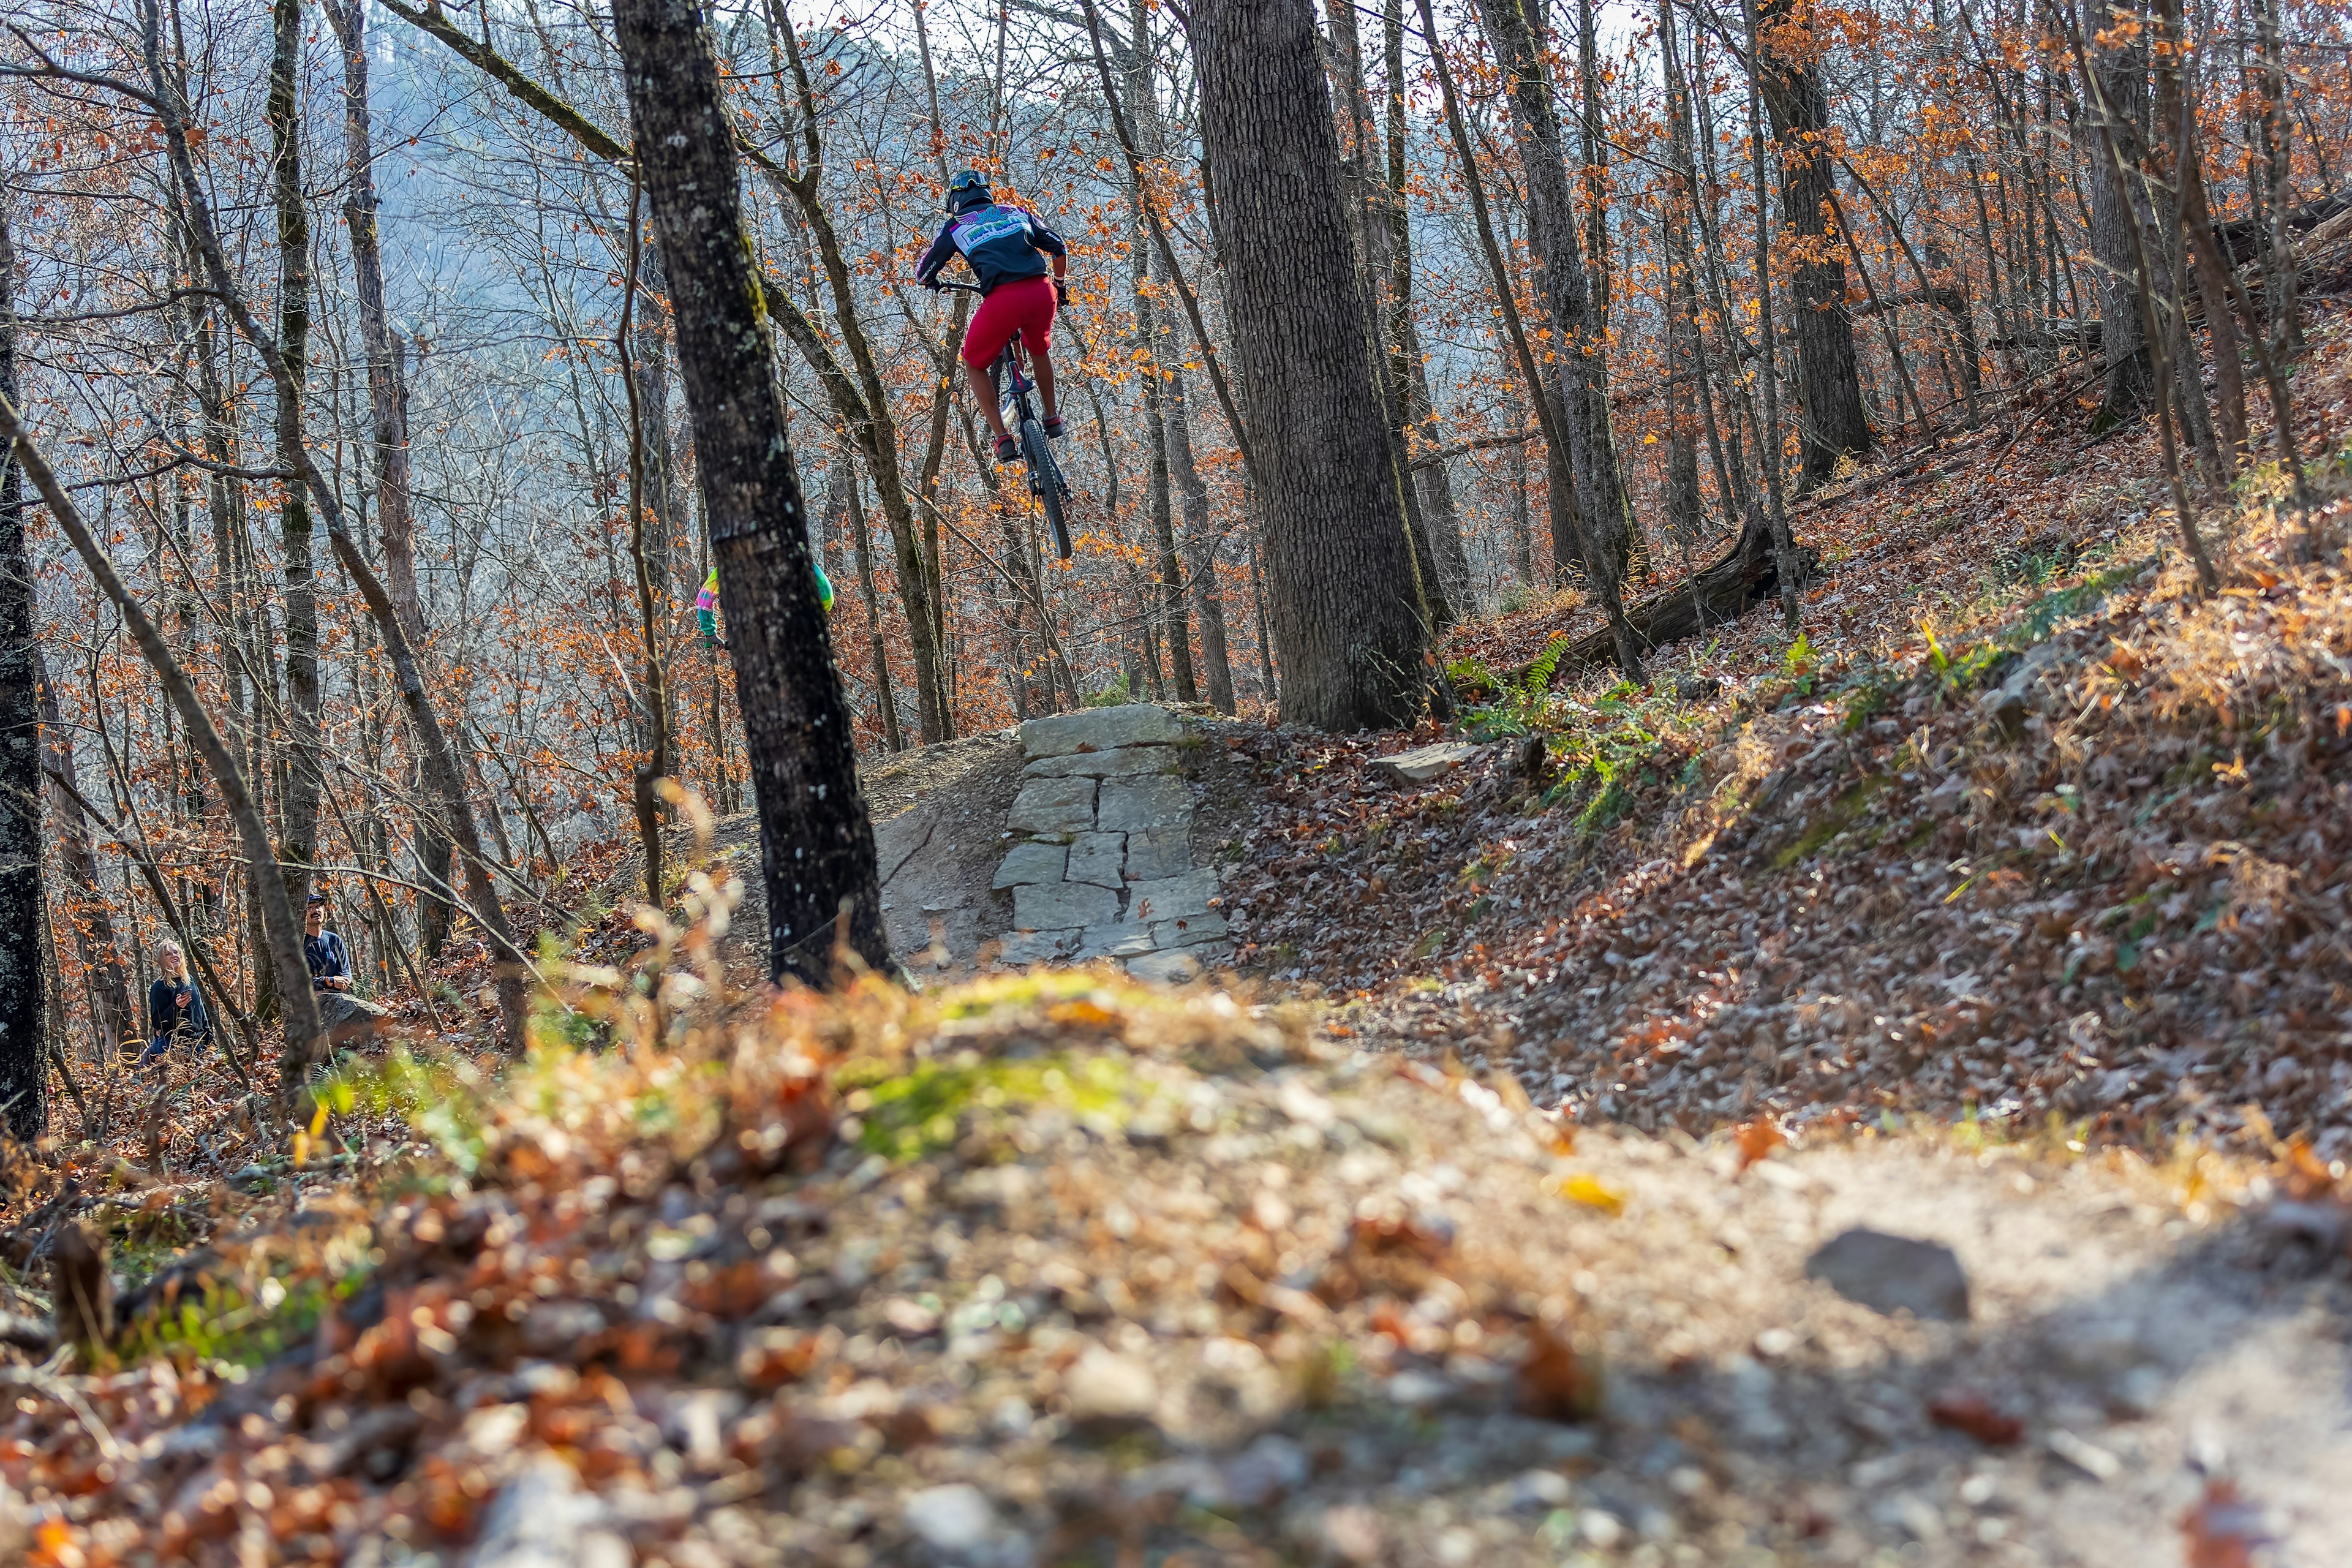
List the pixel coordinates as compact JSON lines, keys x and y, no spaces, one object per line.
{"x":968,"y":189}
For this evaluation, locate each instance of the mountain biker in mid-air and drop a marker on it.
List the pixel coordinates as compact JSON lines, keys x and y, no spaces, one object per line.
{"x":1002,"y":247}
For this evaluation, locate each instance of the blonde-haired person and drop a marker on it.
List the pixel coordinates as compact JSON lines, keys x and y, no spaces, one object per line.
{"x":175,"y":1009}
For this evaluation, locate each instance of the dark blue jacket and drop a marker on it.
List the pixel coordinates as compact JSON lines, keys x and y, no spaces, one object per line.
{"x":1001,"y":243}
{"x":171,"y":1003}
{"x":325,"y":956}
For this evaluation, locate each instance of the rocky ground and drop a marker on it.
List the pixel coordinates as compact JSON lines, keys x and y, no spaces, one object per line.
{"x":1071,"y":1272}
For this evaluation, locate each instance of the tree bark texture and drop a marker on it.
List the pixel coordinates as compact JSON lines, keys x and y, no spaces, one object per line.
{"x":1200,"y":547}
{"x":1364,"y":181}
{"x":1835,"y":424}
{"x":298,"y":817}
{"x":817,"y":843}
{"x":1604,"y":528}
{"x":1347,"y":612}
{"x":395,"y":509}
{"x":2118,"y":72}
{"x":1408,"y":370}
{"x":23,"y":1043}
{"x":86,"y":907}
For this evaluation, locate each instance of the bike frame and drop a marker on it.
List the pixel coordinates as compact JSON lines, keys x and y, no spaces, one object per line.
{"x":1007,"y":370}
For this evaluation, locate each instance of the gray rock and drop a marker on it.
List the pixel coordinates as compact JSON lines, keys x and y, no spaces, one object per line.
{"x":1191,"y":932}
{"x":1100,"y":728}
{"x":1096,"y":857}
{"x":551,"y":1326}
{"x":1123,"y":940}
{"x":1424,"y":764}
{"x":1349,"y":1533}
{"x":1265,"y":1472}
{"x":1109,"y":1392}
{"x":2096,"y":1347}
{"x":1031,"y":863}
{"x":1172,"y":898}
{"x":1058,"y":906}
{"x":1155,"y":852}
{"x":1132,"y":804}
{"x":1166,"y":968}
{"x":1893,"y":1273}
{"x":1053,"y":806}
{"x":1125,"y":762}
{"x":1036,"y":946}
{"x":956,"y":1519}
{"x":543,"y":1519}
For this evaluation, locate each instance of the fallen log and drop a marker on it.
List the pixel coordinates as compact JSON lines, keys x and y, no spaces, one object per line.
{"x":1746,"y":577}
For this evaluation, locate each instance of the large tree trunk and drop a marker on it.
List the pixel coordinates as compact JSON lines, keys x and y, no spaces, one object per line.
{"x":1368,"y":220}
{"x":1347,"y":609}
{"x":1685,"y":512}
{"x":817,"y":844}
{"x":1603,"y":525}
{"x":1834,"y":425}
{"x":23,"y":1076}
{"x":388,"y":416}
{"x":88,"y":909}
{"x":1199,"y":548}
{"x":1442,"y":523}
{"x":2120,"y":79}
{"x":298,"y":818}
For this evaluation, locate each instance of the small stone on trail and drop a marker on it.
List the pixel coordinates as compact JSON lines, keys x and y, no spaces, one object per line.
{"x":543,"y":1519}
{"x":1351,"y":1533}
{"x":1264,"y":1471}
{"x":952,"y":1519}
{"x":1165,"y":968}
{"x":1109,"y":1392}
{"x":1893,"y":1273}
{"x":2088,"y":1457}
{"x":1424,"y":764}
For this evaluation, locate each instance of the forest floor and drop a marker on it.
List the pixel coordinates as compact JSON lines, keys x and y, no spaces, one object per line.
{"x":1878,"y":1099}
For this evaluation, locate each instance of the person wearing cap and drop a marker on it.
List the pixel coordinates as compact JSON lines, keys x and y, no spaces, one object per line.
{"x":1006,"y":248}
{"x":343,"y":1013}
{"x":175,"y":1009}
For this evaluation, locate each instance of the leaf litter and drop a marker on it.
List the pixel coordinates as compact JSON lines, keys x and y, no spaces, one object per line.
{"x":1057,"y":1268}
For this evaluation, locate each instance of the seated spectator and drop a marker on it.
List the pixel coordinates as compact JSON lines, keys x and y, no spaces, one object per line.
{"x":175,"y":1010}
{"x":344,"y":1016}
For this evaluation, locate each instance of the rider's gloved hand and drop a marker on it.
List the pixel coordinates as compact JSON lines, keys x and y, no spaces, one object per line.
{"x":932,"y":284}
{"x":1061,"y":291}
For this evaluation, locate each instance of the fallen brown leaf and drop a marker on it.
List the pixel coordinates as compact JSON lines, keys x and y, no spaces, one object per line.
{"x":1966,"y":1410}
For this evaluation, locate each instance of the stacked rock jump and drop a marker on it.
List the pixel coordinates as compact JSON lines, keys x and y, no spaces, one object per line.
{"x":1101,"y":866}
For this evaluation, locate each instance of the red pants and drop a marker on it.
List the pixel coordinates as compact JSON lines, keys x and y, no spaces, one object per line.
{"x":1026,"y":306}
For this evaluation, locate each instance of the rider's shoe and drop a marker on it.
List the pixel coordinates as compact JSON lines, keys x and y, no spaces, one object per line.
{"x":1007,"y":449}
{"x":1053,"y":426}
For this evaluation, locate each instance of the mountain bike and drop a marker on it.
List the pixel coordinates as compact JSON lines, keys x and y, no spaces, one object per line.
{"x":1046,"y":480}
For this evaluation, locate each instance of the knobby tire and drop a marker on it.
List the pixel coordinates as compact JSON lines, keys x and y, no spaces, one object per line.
{"x":1045,"y":479}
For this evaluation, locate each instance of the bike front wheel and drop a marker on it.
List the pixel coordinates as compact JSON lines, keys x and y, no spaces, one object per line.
{"x":1045,"y":479}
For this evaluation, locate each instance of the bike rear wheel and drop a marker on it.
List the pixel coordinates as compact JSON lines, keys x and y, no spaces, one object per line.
{"x":1045,"y":479}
